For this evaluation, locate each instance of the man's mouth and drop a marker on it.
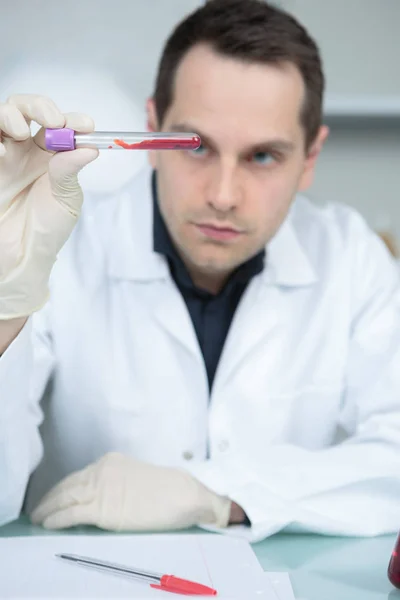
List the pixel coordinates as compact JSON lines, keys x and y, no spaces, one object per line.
{"x":217,"y":232}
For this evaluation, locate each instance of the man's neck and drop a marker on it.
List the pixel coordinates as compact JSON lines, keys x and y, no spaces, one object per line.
{"x":211,"y":283}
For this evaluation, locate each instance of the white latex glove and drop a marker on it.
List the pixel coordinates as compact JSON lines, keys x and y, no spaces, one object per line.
{"x":40,"y":200}
{"x":121,"y":493}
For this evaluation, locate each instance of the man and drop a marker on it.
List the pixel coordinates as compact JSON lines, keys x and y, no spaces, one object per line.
{"x":215,"y":350}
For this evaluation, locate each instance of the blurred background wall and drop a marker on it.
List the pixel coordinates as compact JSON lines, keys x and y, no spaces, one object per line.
{"x":360,"y":46}
{"x":100,"y":56}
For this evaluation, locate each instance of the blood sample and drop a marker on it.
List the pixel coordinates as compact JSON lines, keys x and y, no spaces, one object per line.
{"x":61,"y":140}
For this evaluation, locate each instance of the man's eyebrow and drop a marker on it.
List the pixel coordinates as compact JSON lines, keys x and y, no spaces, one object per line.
{"x":277,"y":145}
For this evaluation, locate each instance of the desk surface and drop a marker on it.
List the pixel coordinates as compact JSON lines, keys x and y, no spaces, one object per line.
{"x":320,"y":568}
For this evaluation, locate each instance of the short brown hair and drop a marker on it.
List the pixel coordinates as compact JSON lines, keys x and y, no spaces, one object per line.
{"x":251,"y":31}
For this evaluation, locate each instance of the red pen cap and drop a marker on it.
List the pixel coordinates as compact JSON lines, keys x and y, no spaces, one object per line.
{"x":169,"y":583}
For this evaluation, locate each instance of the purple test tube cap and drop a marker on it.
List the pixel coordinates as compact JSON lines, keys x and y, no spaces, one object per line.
{"x":59,"y":140}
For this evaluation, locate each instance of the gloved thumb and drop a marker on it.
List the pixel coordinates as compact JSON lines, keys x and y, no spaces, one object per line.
{"x":63,"y":172}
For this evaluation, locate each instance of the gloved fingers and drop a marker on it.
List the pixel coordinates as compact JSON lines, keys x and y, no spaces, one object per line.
{"x":63,"y":172}
{"x":81,"y":514}
{"x":76,"y":478}
{"x":73,"y":489}
{"x":12,"y":123}
{"x":40,"y":109}
{"x":79,"y":122}
{"x":78,"y":495}
{"x":64,"y":166}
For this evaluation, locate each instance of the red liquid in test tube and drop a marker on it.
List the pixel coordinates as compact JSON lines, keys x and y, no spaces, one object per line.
{"x":64,"y":139}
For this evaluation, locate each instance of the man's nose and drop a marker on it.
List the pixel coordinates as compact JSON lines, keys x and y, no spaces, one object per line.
{"x":224,"y":192}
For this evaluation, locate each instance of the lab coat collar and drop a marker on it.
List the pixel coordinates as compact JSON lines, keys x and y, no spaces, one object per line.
{"x":131,"y":254}
{"x":287,"y":263}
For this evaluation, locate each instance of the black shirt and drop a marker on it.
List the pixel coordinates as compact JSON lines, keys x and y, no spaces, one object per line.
{"x":211,"y":314}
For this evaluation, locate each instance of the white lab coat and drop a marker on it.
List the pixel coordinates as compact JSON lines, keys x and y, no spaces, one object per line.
{"x":302,"y":428}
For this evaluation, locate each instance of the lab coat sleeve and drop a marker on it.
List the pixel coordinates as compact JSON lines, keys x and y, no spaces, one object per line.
{"x":25,"y":368}
{"x":351,"y":488}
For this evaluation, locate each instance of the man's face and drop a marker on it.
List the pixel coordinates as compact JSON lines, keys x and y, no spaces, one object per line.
{"x":223,"y":202}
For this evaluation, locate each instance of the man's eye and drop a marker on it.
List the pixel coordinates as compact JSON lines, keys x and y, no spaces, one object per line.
{"x":262,"y":158}
{"x":200,"y":151}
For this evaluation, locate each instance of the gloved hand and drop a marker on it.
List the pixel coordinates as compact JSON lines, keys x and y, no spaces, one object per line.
{"x":40,"y":200}
{"x":121,"y":493}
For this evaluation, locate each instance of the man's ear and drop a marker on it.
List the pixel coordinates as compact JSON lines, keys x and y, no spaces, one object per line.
{"x":151,"y":114}
{"x":152,"y":125}
{"x":312,"y":155}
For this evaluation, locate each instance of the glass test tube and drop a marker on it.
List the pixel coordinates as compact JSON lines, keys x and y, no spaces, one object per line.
{"x":61,"y":140}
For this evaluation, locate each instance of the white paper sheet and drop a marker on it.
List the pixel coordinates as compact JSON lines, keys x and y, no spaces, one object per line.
{"x":29,"y":568}
{"x":282,"y":586}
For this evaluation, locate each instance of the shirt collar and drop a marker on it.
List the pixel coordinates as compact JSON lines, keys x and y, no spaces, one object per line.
{"x":288,"y":262}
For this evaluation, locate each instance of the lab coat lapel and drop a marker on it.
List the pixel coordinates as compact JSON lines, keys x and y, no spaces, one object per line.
{"x":256,"y":319}
{"x":173,"y":316}
{"x":261,"y":314}
{"x":132,"y":258}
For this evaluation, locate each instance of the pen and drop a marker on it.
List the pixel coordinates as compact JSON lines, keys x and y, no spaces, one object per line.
{"x":168,"y":583}
{"x":60,"y":140}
